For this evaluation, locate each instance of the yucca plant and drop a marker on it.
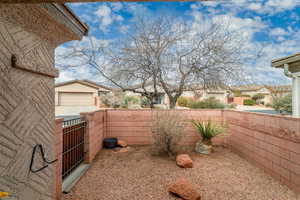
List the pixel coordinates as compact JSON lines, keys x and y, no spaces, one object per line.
{"x":208,"y":130}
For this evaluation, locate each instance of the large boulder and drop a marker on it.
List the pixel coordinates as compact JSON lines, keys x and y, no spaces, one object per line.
{"x":122,"y":143}
{"x":184,"y":189}
{"x":184,"y":160}
{"x":203,"y":148}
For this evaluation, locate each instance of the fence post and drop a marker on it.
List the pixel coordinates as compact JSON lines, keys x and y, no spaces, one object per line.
{"x":58,"y":153}
{"x":88,"y":117}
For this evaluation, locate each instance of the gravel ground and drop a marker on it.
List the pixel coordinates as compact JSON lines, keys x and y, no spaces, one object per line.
{"x":137,"y":175}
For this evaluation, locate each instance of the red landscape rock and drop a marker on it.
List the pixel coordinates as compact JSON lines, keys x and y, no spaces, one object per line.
{"x":184,"y":189}
{"x":122,"y":150}
{"x":122,"y":143}
{"x":184,"y":160}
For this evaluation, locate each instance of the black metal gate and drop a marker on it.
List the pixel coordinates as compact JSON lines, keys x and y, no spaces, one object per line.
{"x":73,"y":145}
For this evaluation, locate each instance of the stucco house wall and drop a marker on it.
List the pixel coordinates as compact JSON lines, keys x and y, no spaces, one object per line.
{"x":265,"y":91}
{"x":28,"y":35}
{"x":75,"y":88}
{"x":221,"y":95}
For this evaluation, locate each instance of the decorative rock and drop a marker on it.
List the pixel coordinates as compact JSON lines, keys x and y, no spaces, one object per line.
{"x":122,"y":143}
{"x":202,"y":148}
{"x":184,"y":189}
{"x":122,"y":150}
{"x":184,"y":160}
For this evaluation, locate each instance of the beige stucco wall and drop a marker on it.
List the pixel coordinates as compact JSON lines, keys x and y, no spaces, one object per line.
{"x":75,"y":88}
{"x":30,"y":32}
{"x":266,"y":92}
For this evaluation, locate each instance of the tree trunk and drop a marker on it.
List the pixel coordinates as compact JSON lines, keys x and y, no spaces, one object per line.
{"x":172,"y":103}
{"x":151,"y":104}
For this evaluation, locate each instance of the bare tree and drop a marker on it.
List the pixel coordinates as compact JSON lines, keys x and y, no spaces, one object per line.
{"x":117,"y":63}
{"x":177,"y":57}
{"x":167,"y":54}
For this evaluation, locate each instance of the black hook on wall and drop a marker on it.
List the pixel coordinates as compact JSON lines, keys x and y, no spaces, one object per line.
{"x":35,"y":148}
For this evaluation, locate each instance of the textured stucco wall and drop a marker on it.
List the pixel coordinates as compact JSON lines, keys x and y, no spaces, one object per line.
{"x":30,"y":33}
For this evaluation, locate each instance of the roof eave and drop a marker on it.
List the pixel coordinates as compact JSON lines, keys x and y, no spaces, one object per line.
{"x":80,"y":27}
{"x":279,"y":63}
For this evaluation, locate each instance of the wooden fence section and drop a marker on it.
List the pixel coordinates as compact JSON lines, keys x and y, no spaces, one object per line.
{"x":272,"y":142}
{"x":134,"y":126}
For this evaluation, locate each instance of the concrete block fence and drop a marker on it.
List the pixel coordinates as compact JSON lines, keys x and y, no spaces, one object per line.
{"x":269,"y":141}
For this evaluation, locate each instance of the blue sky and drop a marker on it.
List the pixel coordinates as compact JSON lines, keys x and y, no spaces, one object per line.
{"x":272,"y":25}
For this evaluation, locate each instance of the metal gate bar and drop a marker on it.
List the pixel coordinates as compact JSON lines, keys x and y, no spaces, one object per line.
{"x":73,"y":145}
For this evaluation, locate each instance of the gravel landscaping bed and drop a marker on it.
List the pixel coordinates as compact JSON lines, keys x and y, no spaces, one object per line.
{"x":136,"y":175}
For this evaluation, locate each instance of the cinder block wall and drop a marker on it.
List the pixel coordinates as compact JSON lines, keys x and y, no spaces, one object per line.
{"x":134,"y":126}
{"x":268,"y":141}
{"x":94,"y":133}
{"x":271,"y":142}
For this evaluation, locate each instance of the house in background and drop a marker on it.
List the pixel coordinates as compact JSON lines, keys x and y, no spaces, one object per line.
{"x":73,"y":97}
{"x":269,"y":92}
{"x":220,"y":94}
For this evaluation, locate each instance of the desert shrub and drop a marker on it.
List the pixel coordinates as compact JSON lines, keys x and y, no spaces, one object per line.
{"x":183,"y":101}
{"x":231,"y":105}
{"x":249,"y":102}
{"x":283,"y":104}
{"x":145,"y":102}
{"x":210,"y":103}
{"x":130,"y":100}
{"x":268,"y":105}
{"x":208,"y":129}
{"x":112,"y":100}
{"x":167,"y":131}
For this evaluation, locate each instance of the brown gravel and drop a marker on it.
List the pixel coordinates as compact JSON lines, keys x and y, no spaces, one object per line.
{"x":137,"y":175}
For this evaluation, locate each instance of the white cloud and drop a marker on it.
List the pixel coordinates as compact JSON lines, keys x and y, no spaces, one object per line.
{"x":278,"y":32}
{"x":104,"y":13}
{"x":117,"y":6}
{"x":255,"y":6}
{"x":123,"y":28}
{"x":272,"y":7}
{"x":107,"y":16}
{"x":210,"y":3}
{"x":74,"y":67}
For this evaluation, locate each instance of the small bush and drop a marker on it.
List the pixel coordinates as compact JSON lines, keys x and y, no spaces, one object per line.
{"x":210,"y":103}
{"x":145,"y":102}
{"x":249,"y":102}
{"x":112,"y":100}
{"x":167,"y":131}
{"x":183,"y":101}
{"x":268,"y":105}
{"x":231,"y":105}
{"x":130,"y":100}
{"x":283,"y":104}
{"x":208,"y":130}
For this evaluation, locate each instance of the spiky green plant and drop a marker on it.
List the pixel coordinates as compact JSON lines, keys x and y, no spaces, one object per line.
{"x":208,"y":129}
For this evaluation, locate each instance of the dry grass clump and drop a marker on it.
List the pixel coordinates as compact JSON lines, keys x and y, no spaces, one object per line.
{"x":167,"y":131}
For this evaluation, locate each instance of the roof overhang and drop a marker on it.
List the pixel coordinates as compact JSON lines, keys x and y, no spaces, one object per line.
{"x":77,"y":25}
{"x":64,"y":1}
{"x":293,"y":61}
